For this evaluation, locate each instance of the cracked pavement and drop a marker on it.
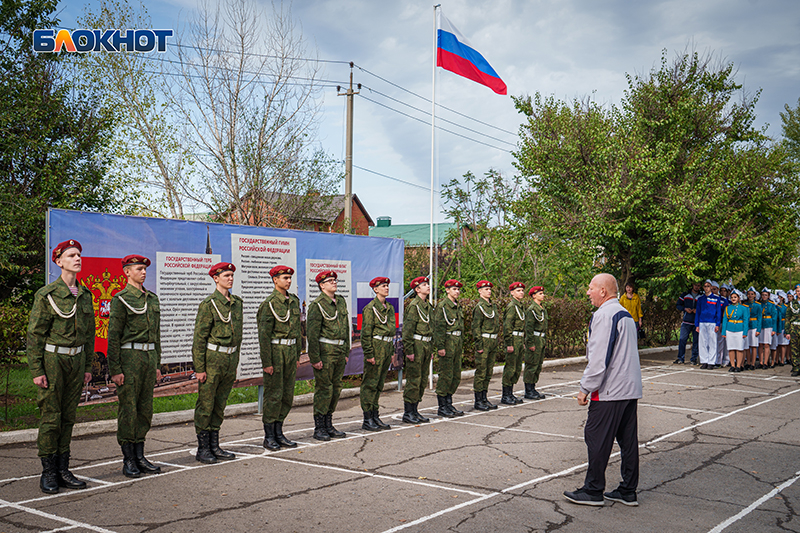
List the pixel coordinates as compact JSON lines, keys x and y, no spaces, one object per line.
{"x":714,"y":446}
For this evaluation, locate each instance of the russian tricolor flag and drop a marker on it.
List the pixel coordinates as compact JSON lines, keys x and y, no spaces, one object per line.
{"x":456,"y":54}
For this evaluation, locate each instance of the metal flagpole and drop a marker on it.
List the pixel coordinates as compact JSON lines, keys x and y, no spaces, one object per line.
{"x":433,"y":167}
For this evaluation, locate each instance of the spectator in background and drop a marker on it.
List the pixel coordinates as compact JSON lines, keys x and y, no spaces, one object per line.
{"x":633,"y":304}
{"x":708,"y":321}
{"x":687,"y":304}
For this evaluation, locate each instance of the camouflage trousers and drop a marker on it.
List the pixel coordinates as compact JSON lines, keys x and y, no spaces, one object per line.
{"x":417,"y":371}
{"x":375,"y":375}
{"x":58,"y":403}
{"x":794,"y":350}
{"x":328,"y":380}
{"x":212,"y":396}
{"x":450,"y":366}
{"x":513,"y":366}
{"x":279,"y":386}
{"x":533,"y":362}
{"x":484,"y":364}
{"x":136,"y":395}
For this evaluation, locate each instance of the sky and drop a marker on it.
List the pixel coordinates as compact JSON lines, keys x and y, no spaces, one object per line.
{"x":562,"y":48}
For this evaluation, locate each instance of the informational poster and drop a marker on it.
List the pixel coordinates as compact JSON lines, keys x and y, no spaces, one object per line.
{"x":254,"y":256}
{"x":182,"y":282}
{"x":344,"y":285}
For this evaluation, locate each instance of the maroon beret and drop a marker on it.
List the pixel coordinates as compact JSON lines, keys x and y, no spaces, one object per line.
{"x":483,"y":283}
{"x":452,"y":283}
{"x":60,"y":248}
{"x":418,"y":281}
{"x":325,"y":275}
{"x":378,"y":281}
{"x":516,"y":285}
{"x":219,"y":268}
{"x":135,"y":259}
{"x":535,"y":290}
{"x":281,"y":269}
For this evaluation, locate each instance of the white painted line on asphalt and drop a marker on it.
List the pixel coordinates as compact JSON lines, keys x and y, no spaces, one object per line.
{"x":440,"y":513}
{"x":517,"y":429}
{"x":371,"y":474}
{"x":679,"y":385}
{"x":680,"y":408}
{"x":753,"y":506}
{"x":93,"y":480}
{"x":185,"y":467}
{"x":551,"y":476}
{"x":744,"y":391}
{"x":37,"y":512}
{"x":65,"y":528}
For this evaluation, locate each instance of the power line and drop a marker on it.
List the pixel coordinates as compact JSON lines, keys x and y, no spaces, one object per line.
{"x":429,"y":101}
{"x":394,"y":179}
{"x":439,"y":118}
{"x":437,"y":127}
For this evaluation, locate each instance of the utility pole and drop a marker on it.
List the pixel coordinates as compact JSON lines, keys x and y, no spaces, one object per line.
{"x":348,"y":161}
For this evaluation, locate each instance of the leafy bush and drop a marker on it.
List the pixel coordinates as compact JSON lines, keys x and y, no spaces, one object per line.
{"x":14,"y":318}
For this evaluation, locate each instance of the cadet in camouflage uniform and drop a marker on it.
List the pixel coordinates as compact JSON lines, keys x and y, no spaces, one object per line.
{"x":60,"y":350}
{"x":215,"y":354}
{"x":485,"y":330}
{"x":793,"y":330}
{"x":328,"y":326}
{"x":279,"y":338}
{"x":378,"y":327}
{"x":448,"y":325}
{"x":134,"y":356}
{"x":514,"y":336}
{"x":535,"y":330}
{"x":418,"y":349}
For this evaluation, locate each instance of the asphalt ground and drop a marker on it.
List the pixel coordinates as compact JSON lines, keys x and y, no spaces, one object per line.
{"x":718,"y":451}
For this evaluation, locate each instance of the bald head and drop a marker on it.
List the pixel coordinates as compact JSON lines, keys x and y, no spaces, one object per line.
{"x":602,"y":288}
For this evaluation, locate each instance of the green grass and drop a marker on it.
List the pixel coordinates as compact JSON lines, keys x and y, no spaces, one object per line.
{"x":23,"y":413}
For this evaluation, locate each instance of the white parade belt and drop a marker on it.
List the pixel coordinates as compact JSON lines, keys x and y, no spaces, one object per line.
{"x":337,"y":342}
{"x":518,"y":333}
{"x":538,"y":333}
{"x":489,"y":335}
{"x":285,"y":342}
{"x":384,"y":339}
{"x":421,"y":338}
{"x":144,"y":346}
{"x":75,"y":350}
{"x":221,"y":349}
{"x":456,"y":333}
{"x":796,"y":323}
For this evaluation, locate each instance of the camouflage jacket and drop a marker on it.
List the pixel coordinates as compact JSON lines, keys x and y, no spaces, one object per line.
{"x":485,"y":319}
{"x":135,"y":317}
{"x":416,"y":321}
{"x":513,"y":320}
{"x":327,"y":320}
{"x":219,"y":322}
{"x":376,"y":319}
{"x":448,"y":317}
{"x":278,"y":317}
{"x":792,"y":319}
{"x":536,"y":323}
{"x":46,"y":325}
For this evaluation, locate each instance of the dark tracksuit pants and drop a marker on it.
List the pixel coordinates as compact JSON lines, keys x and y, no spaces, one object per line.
{"x":606,"y":422}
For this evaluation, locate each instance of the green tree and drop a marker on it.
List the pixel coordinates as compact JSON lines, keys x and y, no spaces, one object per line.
{"x":674,"y":184}
{"x":790,"y":123}
{"x":51,"y":145}
{"x":14,"y":318}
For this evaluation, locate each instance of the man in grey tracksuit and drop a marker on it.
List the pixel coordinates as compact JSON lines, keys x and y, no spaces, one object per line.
{"x":613,"y":382}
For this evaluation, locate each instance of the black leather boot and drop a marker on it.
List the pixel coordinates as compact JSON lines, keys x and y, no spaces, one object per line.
{"x":216,"y":451}
{"x":444,"y":409}
{"x":453,"y":408}
{"x":281,"y":438}
{"x":129,"y":468}
{"x":144,"y":466}
{"x":378,"y":421}
{"x":320,"y":433}
{"x":332,"y":431}
{"x":530,"y":391}
{"x":269,"y":437}
{"x":508,"y":396}
{"x":65,"y":478}
{"x":369,"y":423}
{"x":422,"y":419}
{"x":204,"y":454}
{"x":409,"y":417}
{"x":517,"y":399}
{"x":480,"y":403}
{"x":486,"y":400}
{"x":49,"y":482}
{"x":537,"y":395}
